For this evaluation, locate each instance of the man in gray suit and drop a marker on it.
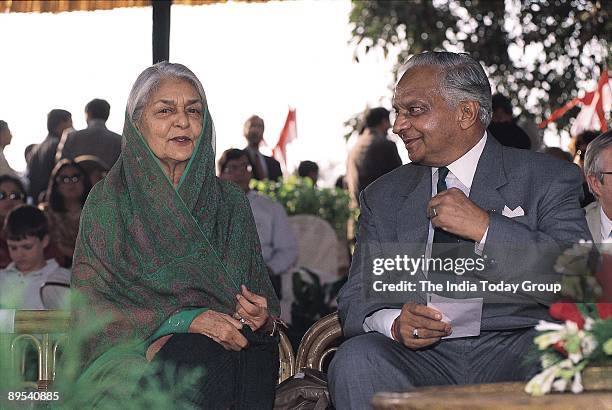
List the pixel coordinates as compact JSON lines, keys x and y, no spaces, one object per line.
{"x":462,"y":186}
{"x":96,"y":139}
{"x":597,"y":168}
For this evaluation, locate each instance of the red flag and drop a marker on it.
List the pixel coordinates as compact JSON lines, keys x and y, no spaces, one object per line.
{"x":288,"y":134}
{"x":594,"y":105}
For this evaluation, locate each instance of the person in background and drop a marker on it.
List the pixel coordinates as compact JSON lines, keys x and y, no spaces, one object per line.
{"x":27,"y":153}
{"x":309,"y":169}
{"x":373,"y":155}
{"x":42,"y":159}
{"x":597,"y":168}
{"x":12,"y":195}
{"x":503,"y":126}
{"x":558,"y":153}
{"x":68,"y":188}
{"x":264,"y":167}
{"x":5,"y":139}
{"x":96,"y":139}
{"x":95,"y":168}
{"x":578,"y":146}
{"x":21,"y":282}
{"x":278,"y":243}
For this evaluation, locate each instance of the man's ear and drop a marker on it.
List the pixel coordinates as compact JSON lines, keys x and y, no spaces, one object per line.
{"x":594,"y":184}
{"x":467,"y":114}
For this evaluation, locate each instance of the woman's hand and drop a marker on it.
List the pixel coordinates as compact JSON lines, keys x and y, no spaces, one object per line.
{"x":252,"y":308}
{"x":221,"y":328}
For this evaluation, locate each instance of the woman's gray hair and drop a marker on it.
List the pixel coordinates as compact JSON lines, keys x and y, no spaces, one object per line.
{"x":463,"y":79}
{"x":592,"y":156}
{"x":150,"y":79}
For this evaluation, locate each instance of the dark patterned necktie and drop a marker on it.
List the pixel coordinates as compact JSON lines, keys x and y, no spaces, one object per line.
{"x":440,"y":235}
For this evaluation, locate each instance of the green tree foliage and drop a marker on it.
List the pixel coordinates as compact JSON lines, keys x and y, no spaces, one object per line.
{"x":535,"y":51}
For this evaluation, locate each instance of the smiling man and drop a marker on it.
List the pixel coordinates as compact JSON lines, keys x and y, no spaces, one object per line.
{"x":452,"y":193}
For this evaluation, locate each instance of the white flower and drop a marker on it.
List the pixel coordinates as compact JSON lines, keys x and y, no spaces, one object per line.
{"x":588,"y":344}
{"x":559,"y":385}
{"x":571,"y":327}
{"x":543,"y":326}
{"x":547,"y":339}
{"x":588,"y":323}
{"x":575,"y":357}
{"x":577,"y":383}
{"x":541,"y":383}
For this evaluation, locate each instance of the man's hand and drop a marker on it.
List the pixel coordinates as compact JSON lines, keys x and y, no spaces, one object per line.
{"x":457,"y":214}
{"x":221,"y":328}
{"x":427,"y":321}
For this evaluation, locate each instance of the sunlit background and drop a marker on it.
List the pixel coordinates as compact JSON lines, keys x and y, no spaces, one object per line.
{"x":252,"y":59}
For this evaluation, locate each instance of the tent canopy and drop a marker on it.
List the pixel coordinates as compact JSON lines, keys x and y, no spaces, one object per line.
{"x":161,"y":14}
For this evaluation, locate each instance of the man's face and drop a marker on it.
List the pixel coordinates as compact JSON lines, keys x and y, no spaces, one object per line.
{"x":603,"y":190}
{"x":238,"y":171}
{"x":425,"y":122}
{"x":29,"y":253}
{"x":253,"y":131}
{"x":5,"y":137}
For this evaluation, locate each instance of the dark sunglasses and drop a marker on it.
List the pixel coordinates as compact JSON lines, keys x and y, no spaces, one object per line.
{"x":69,"y":179}
{"x":13,"y":196}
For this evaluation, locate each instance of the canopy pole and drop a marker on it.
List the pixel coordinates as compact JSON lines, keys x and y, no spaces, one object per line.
{"x":161,"y":30}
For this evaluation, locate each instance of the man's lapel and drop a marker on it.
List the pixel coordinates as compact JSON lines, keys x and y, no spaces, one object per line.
{"x":412,"y":223}
{"x":489,"y":177}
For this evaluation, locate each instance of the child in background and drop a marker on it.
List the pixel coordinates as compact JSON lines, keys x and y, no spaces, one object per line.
{"x":27,"y":234}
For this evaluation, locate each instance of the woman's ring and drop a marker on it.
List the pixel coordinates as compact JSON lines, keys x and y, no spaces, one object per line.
{"x":242,"y":320}
{"x":415,"y":333}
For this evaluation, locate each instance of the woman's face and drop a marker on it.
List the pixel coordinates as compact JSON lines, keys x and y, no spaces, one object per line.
{"x":70,"y":183}
{"x":171,"y":121}
{"x":10,"y":197}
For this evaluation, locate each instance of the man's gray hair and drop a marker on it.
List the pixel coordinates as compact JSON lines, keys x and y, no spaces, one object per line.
{"x":463,"y":79}
{"x":592,"y":156}
{"x":149,"y":80}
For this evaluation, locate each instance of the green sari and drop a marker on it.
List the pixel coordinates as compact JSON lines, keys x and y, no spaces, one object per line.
{"x":148,"y":253}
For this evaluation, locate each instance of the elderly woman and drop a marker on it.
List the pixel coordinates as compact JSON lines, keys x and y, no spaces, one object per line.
{"x":172,"y":252}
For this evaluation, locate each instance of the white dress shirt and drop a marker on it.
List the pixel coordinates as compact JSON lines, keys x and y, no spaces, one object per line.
{"x":22,"y":291}
{"x":460,"y":176}
{"x":606,"y":227}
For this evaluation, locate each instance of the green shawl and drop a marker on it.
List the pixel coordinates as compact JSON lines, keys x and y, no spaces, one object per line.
{"x":146,"y":250}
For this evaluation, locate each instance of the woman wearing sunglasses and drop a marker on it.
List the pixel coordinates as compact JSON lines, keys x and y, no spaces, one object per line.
{"x":12,"y":194}
{"x":68,"y":188}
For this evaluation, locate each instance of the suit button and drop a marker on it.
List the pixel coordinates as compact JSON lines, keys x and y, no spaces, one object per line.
{"x":491,"y":263}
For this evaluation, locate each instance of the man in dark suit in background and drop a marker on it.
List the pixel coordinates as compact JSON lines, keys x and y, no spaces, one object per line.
{"x":373,"y":155}
{"x":503,"y":126}
{"x":96,"y":139}
{"x":42,"y":158}
{"x":462,"y":187}
{"x":264,"y":167}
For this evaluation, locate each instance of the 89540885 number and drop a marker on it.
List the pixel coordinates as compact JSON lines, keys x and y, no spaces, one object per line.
{"x":33,"y":395}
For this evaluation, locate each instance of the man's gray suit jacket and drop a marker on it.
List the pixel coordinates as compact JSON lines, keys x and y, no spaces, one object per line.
{"x":393,"y":210}
{"x":95,"y":140}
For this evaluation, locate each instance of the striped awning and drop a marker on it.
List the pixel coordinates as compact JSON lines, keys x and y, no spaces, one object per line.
{"x":58,"y":6}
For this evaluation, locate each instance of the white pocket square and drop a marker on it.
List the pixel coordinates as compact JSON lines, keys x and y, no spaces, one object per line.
{"x":513,"y":213}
